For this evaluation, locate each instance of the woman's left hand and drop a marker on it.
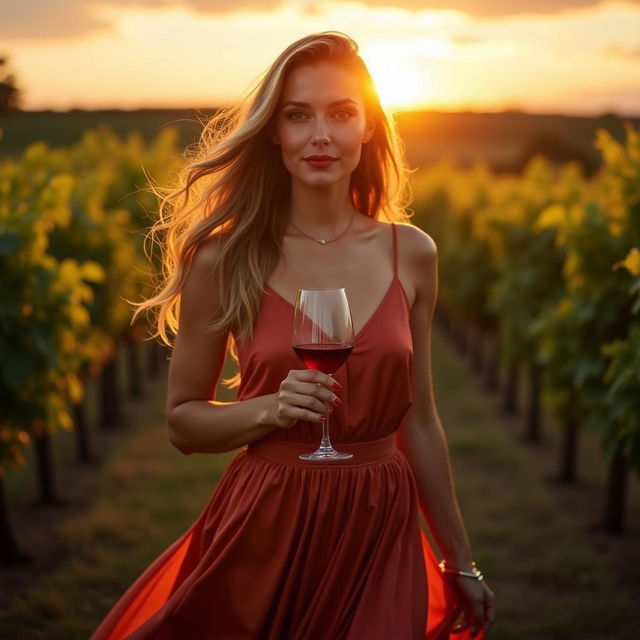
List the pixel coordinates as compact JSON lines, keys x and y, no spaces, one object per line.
{"x":476,"y":600}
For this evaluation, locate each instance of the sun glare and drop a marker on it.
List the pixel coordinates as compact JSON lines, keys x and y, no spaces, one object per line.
{"x":397,"y":87}
{"x":399,"y":73}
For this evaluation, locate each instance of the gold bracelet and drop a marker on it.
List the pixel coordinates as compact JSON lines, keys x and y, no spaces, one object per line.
{"x":476,"y":574}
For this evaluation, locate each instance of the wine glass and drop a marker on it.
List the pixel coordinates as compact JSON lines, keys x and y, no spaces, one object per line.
{"x":323,"y":338}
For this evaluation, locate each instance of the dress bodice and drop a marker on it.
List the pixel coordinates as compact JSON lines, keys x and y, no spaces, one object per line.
{"x":376,"y":378}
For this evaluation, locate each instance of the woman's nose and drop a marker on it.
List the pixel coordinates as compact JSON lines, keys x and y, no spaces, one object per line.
{"x":320,"y":135}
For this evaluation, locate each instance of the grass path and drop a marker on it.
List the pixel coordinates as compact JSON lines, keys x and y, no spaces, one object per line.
{"x":553,"y":577}
{"x":553,"y":580}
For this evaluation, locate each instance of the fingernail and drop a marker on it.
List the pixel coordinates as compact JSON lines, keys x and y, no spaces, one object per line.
{"x":338,"y":401}
{"x":323,"y":418}
{"x":337,"y":386}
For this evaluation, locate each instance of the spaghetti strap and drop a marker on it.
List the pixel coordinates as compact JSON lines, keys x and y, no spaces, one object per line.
{"x":395,"y":249}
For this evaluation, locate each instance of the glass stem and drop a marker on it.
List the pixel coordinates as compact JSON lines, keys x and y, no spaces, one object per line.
{"x":325,"y":442}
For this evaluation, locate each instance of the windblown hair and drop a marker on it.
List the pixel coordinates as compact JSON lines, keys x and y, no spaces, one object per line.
{"x":235,"y":186}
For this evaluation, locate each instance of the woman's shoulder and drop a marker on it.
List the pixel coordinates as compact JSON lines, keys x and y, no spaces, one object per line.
{"x":207,"y":253}
{"x":204,"y":264}
{"x":415,"y":245}
{"x":418,"y":259}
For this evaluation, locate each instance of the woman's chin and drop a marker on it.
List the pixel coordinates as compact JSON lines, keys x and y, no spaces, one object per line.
{"x":321,"y":181}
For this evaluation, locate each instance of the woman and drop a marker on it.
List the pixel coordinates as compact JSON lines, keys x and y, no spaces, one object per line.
{"x":302,"y":187}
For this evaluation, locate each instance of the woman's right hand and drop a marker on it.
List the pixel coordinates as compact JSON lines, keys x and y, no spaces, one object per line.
{"x":305,"y":394}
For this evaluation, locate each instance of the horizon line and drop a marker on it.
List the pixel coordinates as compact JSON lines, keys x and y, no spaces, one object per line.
{"x":399,"y":111}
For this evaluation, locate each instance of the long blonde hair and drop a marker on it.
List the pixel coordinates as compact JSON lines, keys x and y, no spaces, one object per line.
{"x":236,"y":186}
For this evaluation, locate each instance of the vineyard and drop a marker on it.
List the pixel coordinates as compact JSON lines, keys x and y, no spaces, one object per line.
{"x":72,"y":252}
{"x":540,"y":276}
{"x":539,"y":282}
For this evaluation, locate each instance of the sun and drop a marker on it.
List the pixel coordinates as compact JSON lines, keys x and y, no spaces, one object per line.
{"x":399,"y":83}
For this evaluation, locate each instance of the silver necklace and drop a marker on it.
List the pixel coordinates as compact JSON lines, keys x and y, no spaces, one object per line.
{"x":353,"y":215}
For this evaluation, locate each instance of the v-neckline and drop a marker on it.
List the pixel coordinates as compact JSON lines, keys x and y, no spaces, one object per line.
{"x":366,"y":324}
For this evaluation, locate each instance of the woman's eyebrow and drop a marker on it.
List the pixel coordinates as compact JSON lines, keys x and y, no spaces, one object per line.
{"x":335,"y":103}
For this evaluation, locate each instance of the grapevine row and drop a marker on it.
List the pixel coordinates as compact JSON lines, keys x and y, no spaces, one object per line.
{"x":540,"y":273}
{"x":72,"y":226}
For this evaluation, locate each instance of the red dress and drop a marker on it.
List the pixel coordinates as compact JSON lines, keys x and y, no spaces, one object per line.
{"x":291,"y":550}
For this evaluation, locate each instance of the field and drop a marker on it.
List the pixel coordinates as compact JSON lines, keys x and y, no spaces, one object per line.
{"x":504,"y":140}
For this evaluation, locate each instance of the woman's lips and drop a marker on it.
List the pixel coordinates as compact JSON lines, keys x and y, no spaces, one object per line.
{"x":320,"y":162}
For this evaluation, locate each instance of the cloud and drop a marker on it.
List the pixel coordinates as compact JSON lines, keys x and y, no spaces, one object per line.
{"x":493,"y":8}
{"x":25,"y":19}
{"x":62,"y":19}
{"x":628,"y":53}
{"x":472,"y":7}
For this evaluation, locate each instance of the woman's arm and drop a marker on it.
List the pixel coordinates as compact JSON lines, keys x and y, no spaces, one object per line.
{"x":197,"y":422}
{"x":423,"y":441}
{"x":422,"y":437}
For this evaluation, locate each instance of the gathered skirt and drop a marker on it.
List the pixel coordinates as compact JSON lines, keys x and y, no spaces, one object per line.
{"x":291,"y":549}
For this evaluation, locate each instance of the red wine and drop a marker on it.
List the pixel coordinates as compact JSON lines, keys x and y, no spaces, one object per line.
{"x":327,"y":358}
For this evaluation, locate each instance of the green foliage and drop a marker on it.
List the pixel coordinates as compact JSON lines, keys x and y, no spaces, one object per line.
{"x":42,"y":308}
{"x":450,"y":205}
{"x":553,"y":260}
{"x":622,"y":401}
{"x":71,"y":253}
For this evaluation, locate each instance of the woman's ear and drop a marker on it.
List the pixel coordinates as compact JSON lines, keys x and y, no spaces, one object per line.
{"x":368,"y":131}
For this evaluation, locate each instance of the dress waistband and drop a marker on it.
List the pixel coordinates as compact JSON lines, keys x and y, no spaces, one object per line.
{"x":365,"y":452}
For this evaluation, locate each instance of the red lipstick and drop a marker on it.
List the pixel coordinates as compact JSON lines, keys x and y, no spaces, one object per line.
{"x":320,"y":162}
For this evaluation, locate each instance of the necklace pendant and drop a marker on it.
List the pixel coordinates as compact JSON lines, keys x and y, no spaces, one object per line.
{"x":323,"y":241}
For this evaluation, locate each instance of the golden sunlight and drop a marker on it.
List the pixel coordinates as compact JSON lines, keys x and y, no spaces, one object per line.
{"x":399,"y":85}
{"x":399,"y":70}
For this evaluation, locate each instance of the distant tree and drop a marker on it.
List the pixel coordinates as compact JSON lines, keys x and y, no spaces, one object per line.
{"x":9,"y":93}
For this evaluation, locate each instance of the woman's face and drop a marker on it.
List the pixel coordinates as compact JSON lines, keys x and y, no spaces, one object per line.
{"x":320,"y":115}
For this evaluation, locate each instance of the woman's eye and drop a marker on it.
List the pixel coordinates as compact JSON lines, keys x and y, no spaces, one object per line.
{"x":301,"y":115}
{"x":295,"y":115}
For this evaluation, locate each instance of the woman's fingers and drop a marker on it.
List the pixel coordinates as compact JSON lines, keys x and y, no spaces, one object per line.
{"x":482,"y":611}
{"x":315,"y":390}
{"x":488,"y":605}
{"x":478,"y":616}
{"x":314,"y":384}
{"x":477,"y":607}
{"x":306,"y":394}
{"x":460,"y":627}
{"x":293,"y":407}
{"x":313,"y":375}
{"x":310,"y":402}
{"x":461,"y":622}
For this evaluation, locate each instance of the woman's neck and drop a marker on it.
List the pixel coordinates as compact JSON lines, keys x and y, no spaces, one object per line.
{"x":320,"y":211}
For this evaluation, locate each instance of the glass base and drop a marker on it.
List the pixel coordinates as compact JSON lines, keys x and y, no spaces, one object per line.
{"x":326,"y":453}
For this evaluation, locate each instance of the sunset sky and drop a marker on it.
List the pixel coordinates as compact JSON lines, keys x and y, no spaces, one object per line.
{"x":561,"y":56}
